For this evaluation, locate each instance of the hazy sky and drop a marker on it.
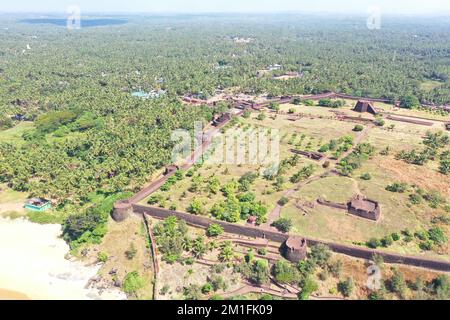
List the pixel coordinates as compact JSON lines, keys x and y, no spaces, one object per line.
{"x":353,"y":6}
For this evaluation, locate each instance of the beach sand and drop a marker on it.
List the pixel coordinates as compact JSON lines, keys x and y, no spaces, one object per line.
{"x":33,"y":265}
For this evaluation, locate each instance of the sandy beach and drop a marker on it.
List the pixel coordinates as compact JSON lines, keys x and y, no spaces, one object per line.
{"x":33,"y":265}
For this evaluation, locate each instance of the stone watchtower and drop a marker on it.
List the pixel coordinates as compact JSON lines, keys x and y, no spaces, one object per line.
{"x":295,"y":249}
{"x":122,"y":210}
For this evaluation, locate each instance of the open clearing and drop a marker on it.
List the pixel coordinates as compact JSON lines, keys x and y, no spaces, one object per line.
{"x":308,"y":128}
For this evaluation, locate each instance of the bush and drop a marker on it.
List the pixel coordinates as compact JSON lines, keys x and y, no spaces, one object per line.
{"x":346,"y":287}
{"x":438,"y":236}
{"x":309,"y":286}
{"x":415,"y":198}
{"x":207,"y":288}
{"x":358,"y":128}
{"x":409,"y":102}
{"x":397,"y":187}
{"x":196,"y":207}
{"x":102,"y":257}
{"x":398,"y":284}
{"x":366,"y":176}
{"x":262,"y":251}
{"x":260,"y":274}
{"x":283,"y":224}
{"x":387,"y":241}
{"x":214,"y":230}
{"x":336,"y":268}
{"x":283,"y":201}
{"x":284,"y":272}
{"x":395,"y":236}
{"x":373,"y":243}
{"x":320,"y":254}
{"x":441,"y":286}
{"x":132,"y":283}
{"x":192,"y":292}
{"x":379,"y":122}
{"x":131,"y":252}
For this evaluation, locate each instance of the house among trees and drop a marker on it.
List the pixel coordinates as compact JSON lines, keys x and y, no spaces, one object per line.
{"x":364,"y":208}
{"x":275,"y":67}
{"x":222,"y":118}
{"x":295,"y":249}
{"x":150,"y":95}
{"x":38,"y":204}
{"x":365,"y":106}
{"x":19,"y":117}
{"x":252,"y":220}
{"x":317,"y":156}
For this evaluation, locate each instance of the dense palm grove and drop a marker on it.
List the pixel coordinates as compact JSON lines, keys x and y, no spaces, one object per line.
{"x":91,"y":136}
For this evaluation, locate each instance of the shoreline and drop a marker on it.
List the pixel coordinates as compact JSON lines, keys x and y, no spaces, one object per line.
{"x":34,"y":265}
{"x":12,"y":295}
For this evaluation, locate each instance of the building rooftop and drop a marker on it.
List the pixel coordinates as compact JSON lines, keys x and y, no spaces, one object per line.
{"x":361,"y":203}
{"x":295,"y":243}
{"x":37,"y":202}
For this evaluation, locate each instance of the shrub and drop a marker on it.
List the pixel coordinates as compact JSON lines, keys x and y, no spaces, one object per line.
{"x":346,"y":287}
{"x":441,"y":286}
{"x":379,"y":121}
{"x":397,"y":187}
{"x":309,"y":286}
{"x":415,"y":198}
{"x":262,"y":251}
{"x":283,"y":224}
{"x":434,"y":199}
{"x":207,"y":288}
{"x":192,"y":292}
{"x":131,"y":252}
{"x":132,"y":283}
{"x":358,"y":128}
{"x":196,"y":207}
{"x":214,"y":230}
{"x":284,"y":272}
{"x":366,"y":176}
{"x":261,"y":274}
{"x":409,"y":102}
{"x":398,"y":284}
{"x":336,"y":268}
{"x":438,"y":236}
{"x":320,"y":254}
{"x":387,"y":241}
{"x":283,"y":201}
{"x":395,"y":236}
{"x":102,"y":257}
{"x":373,"y":243}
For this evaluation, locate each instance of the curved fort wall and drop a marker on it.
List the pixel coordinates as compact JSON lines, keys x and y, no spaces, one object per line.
{"x":255,"y":232}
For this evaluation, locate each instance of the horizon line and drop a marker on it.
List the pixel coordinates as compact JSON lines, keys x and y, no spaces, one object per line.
{"x":273,"y":12}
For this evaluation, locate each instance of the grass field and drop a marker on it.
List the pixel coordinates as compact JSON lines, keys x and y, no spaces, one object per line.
{"x":11,"y":202}
{"x":119,"y":239}
{"x":14,"y":135}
